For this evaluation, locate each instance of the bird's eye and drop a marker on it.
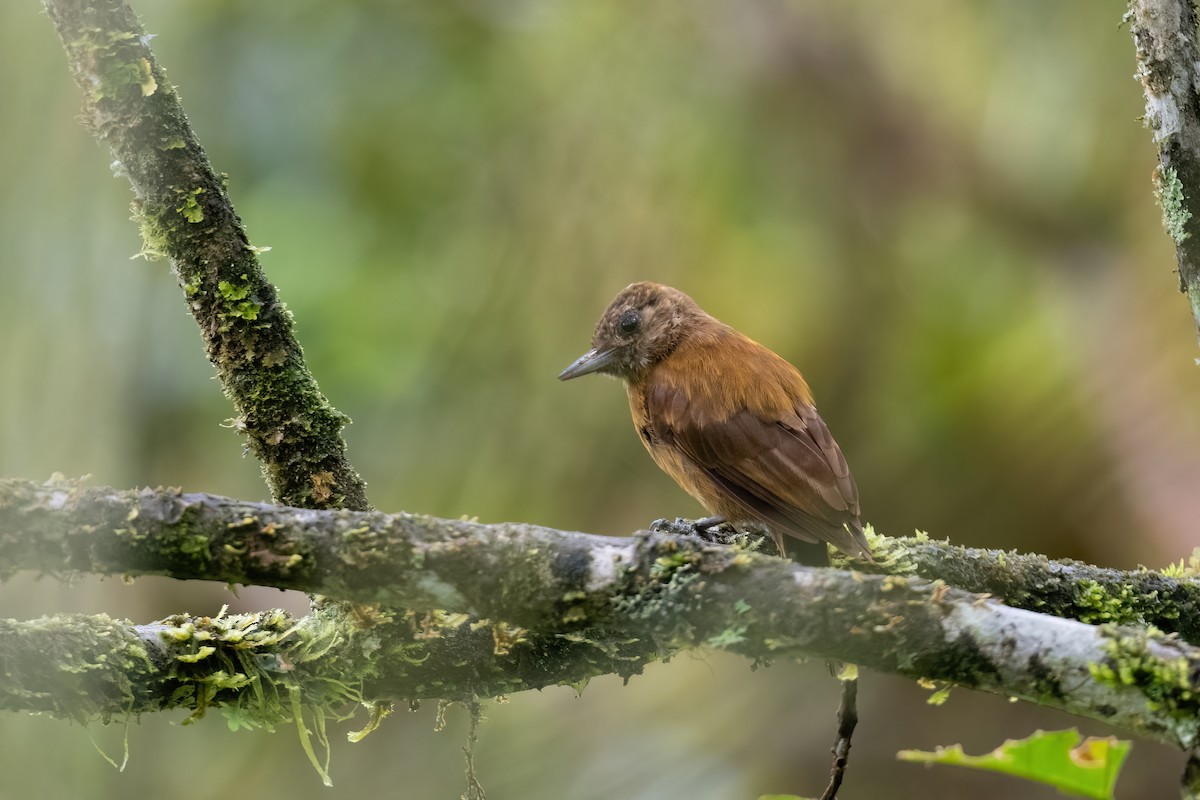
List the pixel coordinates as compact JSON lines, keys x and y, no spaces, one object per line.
{"x":629,"y":322}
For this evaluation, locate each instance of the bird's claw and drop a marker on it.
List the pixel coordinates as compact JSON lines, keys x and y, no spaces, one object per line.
{"x":718,"y":532}
{"x":678,"y":526}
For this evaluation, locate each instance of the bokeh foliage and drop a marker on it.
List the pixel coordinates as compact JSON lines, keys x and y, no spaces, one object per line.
{"x":941,"y":211}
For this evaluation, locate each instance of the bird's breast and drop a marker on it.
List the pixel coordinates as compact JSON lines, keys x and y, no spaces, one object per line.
{"x":668,"y":456}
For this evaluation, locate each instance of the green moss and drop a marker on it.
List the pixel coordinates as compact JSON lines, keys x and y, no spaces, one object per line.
{"x":890,"y":554}
{"x":231,"y":293}
{"x":670,"y":574}
{"x":1190,"y":569}
{"x":734,"y":634}
{"x":1097,"y":605}
{"x":1164,"y":680}
{"x":1169,"y":191}
{"x":237,"y":299}
{"x":154,"y":239}
{"x":253,"y":666}
{"x":120,"y":65}
{"x":190,"y":209}
{"x":82,"y":668}
{"x":187,"y":549}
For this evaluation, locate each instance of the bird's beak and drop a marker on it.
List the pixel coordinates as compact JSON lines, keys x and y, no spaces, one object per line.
{"x":592,"y":361}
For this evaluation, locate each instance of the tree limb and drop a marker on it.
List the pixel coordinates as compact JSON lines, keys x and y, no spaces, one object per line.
{"x":185,"y":214}
{"x":1064,"y":588}
{"x":575,"y":605}
{"x":1164,"y":35}
{"x":408,"y":560}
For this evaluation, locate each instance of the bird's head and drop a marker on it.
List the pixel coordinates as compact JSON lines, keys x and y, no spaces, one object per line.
{"x":641,"y":326}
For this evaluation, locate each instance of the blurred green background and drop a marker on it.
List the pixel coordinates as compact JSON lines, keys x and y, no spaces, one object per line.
{"x":940,"y":210}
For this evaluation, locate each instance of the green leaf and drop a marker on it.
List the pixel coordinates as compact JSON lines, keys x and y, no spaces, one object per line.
{"x":1058,"y":758}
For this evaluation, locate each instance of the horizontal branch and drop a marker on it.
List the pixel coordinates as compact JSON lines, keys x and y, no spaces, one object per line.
{"x":573,"y":606}
{"x":525,"y":574}
{"x":1063,"y":588}
{"x":86,"y":667}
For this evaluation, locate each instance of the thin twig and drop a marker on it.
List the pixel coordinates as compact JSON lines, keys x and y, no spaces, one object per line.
{"x":1190,"y":782}
{"x":474,"y":787}
{"x":847,"y":716}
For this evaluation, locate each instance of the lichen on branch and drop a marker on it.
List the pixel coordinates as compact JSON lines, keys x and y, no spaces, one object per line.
{"x":1168,"y":66}
{"x":186,"y":215}
{"x":499,"y":608}
{"x":523,"y":573}
{"x":1168,"y":600}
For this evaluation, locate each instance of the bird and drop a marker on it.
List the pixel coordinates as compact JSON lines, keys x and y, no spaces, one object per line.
{"x":733,"y":423}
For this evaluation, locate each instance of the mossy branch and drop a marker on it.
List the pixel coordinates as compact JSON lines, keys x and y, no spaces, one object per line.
{"x":186,"y":215}
{"x":1168,"y":65}
{"x":576,"y":605}
{"x":526,"y":574}
{"x":91,"y":667}
{"x":1168,"y":600}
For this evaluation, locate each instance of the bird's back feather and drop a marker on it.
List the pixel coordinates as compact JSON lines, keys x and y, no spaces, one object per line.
{"x":736,"y":427}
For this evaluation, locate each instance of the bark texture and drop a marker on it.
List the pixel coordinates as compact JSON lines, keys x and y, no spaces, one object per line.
{"x":509,"y":607}
{"x":1168,"y":65}
{"x":186,"y":215}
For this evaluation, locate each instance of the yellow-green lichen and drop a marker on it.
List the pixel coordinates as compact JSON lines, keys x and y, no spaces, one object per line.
{"x":506,"y":637}
{"x":734,"y":634}
{"x":189,"y":208}
{"x":1164,"y":680}
{"x":575,"y":609}
{"x":1190,"y":569}
{"x":119,"y":64}
{"x":83,"y":668}
{"x":1169,"y":191}
{"x":154,"y":238}
{"x":237,"y":300}
{"x":252,"y":667}
{"x":666,"y":594}
{"x":889,"y":553}
{"x":1096,"y":604}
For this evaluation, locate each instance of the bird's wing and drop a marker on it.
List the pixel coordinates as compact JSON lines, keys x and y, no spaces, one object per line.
{"x":785,"y":470}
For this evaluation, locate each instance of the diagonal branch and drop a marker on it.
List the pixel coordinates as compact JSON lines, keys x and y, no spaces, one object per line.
{"x":1168,"y":65}
{"x":186,"y":215}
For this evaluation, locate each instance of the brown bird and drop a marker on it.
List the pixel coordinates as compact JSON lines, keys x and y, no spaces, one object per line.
{"x":732,"y":422}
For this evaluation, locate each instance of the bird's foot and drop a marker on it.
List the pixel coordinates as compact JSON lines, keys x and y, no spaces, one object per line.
{"x":678,"y":526}
{"x":710,"y":529}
